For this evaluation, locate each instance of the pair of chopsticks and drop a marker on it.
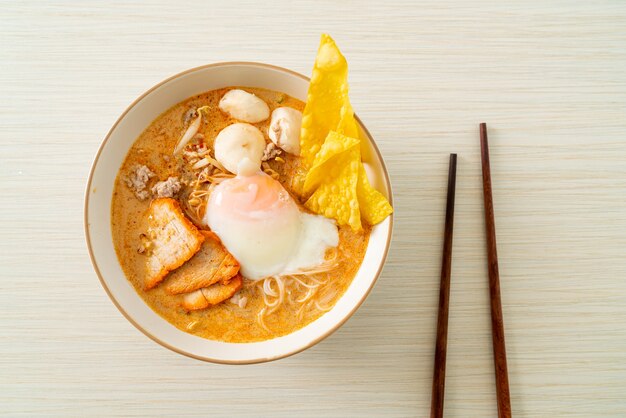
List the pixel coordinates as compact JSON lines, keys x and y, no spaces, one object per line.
{"x":497,"y":325}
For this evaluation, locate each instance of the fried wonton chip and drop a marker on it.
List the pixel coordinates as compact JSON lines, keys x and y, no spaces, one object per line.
{"x":374,"y":206}
{"x":327,"y":105}
{"x":336,"y":196}
{"x":330,"y":148}
{"x":324,"y":164}
{"x":332,"y":176}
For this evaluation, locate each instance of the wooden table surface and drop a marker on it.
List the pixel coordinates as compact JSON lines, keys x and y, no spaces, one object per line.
{"x":549,"y":78}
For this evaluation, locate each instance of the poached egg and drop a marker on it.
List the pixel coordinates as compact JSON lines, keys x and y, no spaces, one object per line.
{"x":263,"y":227}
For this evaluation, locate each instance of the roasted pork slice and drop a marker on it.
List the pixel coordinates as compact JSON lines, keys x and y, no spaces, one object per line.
{"x":194,"y":301}
{"x":174,"y":240}
{"x":212,"y":295}
{"x":212,"y":264}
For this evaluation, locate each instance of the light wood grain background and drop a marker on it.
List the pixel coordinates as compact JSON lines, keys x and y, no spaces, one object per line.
{"x":549,"y":78}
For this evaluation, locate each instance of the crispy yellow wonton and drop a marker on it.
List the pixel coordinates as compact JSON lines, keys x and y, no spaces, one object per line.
{"x":330,"y":147}
{"x":337,"y":177}
{"x":327,"y":106}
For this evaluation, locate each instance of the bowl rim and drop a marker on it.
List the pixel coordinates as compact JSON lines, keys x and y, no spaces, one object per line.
{"x":119,"y":307}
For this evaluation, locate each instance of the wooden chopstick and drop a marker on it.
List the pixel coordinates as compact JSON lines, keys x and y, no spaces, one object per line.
{"x":497,"y":324}
{"x":439,"y":374}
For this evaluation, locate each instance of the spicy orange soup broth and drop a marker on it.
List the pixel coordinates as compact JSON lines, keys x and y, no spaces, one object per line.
{"x":226,"y":321}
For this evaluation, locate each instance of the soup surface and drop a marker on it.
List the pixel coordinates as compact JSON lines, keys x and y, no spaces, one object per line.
{"x":261,"y":309}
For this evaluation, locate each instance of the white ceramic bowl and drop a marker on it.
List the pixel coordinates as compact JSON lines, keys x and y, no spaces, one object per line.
{"x":98,"y":217}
